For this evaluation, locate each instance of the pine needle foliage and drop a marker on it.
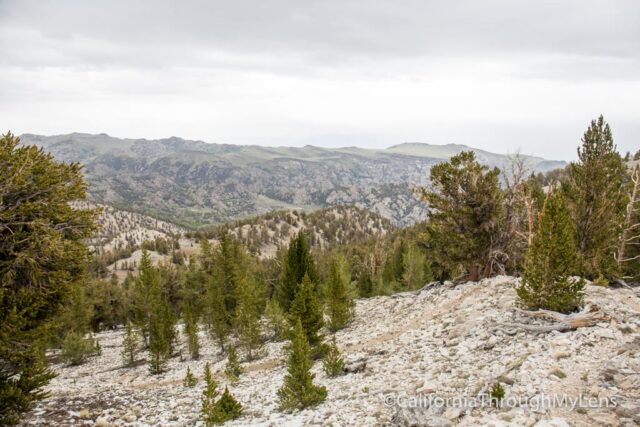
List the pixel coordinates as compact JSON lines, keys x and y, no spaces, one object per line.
{"x":465,"y":216}
{"x":42,"y":255}
{"x":227,"y":408}
{"x":551,"y":258}
{"x":596,"y":192}
{"x":307,"y":309}
{"x":209,"y":395}
{"x":298,"y":263}
{"x":189,"y":379}
{"x":233,"y":368}
{"x":298,"y":391}
{"x":339,"y":296}
{"x":250,"y":300}
{"x":333,"y":363}
{"x":130,"y":346}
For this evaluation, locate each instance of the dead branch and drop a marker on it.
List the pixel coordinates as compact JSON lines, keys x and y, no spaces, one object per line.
{"x":589,"y":316}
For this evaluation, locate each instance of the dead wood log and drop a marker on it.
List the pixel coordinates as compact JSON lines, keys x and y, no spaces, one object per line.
{"x":588,"y":316}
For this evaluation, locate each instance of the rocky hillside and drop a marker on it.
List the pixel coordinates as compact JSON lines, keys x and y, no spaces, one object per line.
{"x":194,"y":183}
{"x":443,"y":342}
{"x":325,"y":227}
{"x":120,"y":228}
{"x":122,"y":233}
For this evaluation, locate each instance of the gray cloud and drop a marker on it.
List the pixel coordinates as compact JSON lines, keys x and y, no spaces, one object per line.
{"x":264,"y":62}
{"x":126,"y":33}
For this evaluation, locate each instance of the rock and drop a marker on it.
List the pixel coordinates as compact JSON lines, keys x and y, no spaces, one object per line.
{"x":417,"y":417}
{"x":561,"y":354}
{"x":628,"y":410}
{"x":355,"y":367}
{"x":604,"y":419}
{"x":506,"y":380}
{"x":427,"y":388}
{"x":102,"y":422}
{"x":553,"y":422}
{"x":609,"y":374}
{"x":605,"y":333}
{"x":452,"y":413}
{"x":129,"y":418}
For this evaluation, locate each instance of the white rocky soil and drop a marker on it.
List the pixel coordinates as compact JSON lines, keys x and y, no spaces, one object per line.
{"x":443,"y":341}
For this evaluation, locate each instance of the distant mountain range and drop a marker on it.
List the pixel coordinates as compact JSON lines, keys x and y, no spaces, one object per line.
{"x":193,"y":183}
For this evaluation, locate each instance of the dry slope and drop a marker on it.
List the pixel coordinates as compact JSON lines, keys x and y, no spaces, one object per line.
{"x":442,"y":341}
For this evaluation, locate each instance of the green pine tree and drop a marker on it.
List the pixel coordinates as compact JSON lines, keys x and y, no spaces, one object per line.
{"x":227,"y":408}
{"x":145,"y":284}
{"x":339,"y":295}
{"x":333,"y":363}
{"x":465,"y":217}
{"x":76,"y":348}
{"x":307,"y":309}
{"x":298,"y":262}
{"x":191,"y":330}
{"x":209,"y":395}
{"x":249,"y":303}
{"x":546,"y":283}
{"x":298,"y":390}
{"x":129,"y":346}
{"x":189,"y":379}
{"x":393,"y":268}
{"x":227,"y":262}
{"x":42,"y":255}
{"x":161,"y":329}
{"x":193,"y":305}
{"x":597,"y":197}
{"x":233,"y":368}
{"x":216,"y":314}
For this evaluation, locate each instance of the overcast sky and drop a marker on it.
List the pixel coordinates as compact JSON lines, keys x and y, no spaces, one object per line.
{"x":498,"y":75}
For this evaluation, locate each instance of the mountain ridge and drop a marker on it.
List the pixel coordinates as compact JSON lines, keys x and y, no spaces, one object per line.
{"x":195,"y":183}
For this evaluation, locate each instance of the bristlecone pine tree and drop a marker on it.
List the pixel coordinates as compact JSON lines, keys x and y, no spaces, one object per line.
{"x":129,"y":346}
{"x":160,"y":324}
{"x":189,"y":379}
{"x":596,"y":195}
{"x":192,"y":306}
{"x":145,"y":285}
{"x":339,"y":298}
{"x":297,"y":263}
{"x":191,"y":330}
{"x":41,"y":255}
{"x":250,"y":298}
{"x":209,"y":395}
{"x":465,"y":216}
{"x":233,"y":368}
{"x":298,"y":390}
{"x":333,"y":364}
{"x":227,"y":408}
{"x":546,"y":283}
{"x":307,"y":309}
